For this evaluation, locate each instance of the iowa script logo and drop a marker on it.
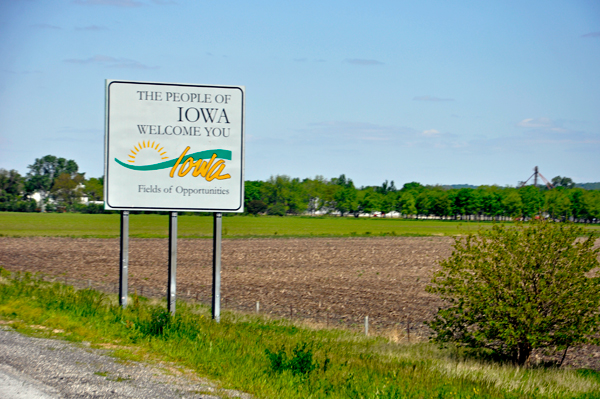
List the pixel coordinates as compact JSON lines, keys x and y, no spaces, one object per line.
{"x":201,"y":163}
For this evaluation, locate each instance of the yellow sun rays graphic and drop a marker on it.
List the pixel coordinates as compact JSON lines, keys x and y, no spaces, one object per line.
{"x":146,"y":144}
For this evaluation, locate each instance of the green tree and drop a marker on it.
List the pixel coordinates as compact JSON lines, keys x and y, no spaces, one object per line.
{"x":474,"y":206}
{"x":252,"y":190}
{"x":93,"y":188}
{"x":11,"y":185}
{"x":44,"y":171}
{"x":368,"y":201}
{"x":327,"y":201}
{"x":406,"y":204}
{"x":255,"y":207}
{"x":565,"y":182}
{"x":558,"y":204}
{"x":387,"y":202}
{"x":462,"y":201}
{"x":577,"y":199}
{"x":67,"y":190}
{"x":413,"y":187}
{"x":591,"y":201}
{"x":317,"y":192}
{"x":345,"y":197}
{"x":491,"y":200}
{"x":512,"y":204}
{"x":442,"y":203}
{"x":286,"y":193}
{"x":386,"y":188}
{"x":424,"y":202}
{"x":532,"y":199}
{"x":298,"y":198}
{"x":513,"y":290}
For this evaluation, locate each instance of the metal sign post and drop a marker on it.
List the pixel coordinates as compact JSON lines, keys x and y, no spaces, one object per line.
{"x":124,"y":258}
{"x":216,"y":294}
{"x":172,"y":288}
{"x":174,"y":147}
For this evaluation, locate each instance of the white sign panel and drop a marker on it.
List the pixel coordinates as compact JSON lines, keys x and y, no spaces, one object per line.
{"x":174,"y":147}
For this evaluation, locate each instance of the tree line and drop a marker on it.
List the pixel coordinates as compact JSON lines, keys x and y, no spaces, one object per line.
{"x":57,"y":183}
{"x":281,"y":195}
{"x":60,"y":187}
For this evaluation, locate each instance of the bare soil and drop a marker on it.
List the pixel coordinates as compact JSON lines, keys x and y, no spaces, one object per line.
{"x":327,"y":281}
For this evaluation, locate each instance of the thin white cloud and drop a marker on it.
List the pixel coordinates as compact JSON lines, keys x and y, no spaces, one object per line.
{"x":109,"y":62}
{"x":536,"y":122}
{"x":92,"y":60}
{"x":591,"y":34}
{"x":363,"y":62}
{"x":542,"y":123}
{"x":24,"y":72}
{"x":123,"y":3}
{"x":115,"y":3}
{"x":541,"y":132}
{"x":355,"y":131}
{"x":431,"y":98}
{"x":305,"y":59}
{"x":46,"y":26}
{"x":431,"y":133}
{"x":548,"y":138}
{"x":336,"y":132}
{"x":92,"y":28}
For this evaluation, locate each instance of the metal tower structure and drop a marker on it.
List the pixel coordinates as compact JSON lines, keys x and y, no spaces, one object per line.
{"x":535,"y":175}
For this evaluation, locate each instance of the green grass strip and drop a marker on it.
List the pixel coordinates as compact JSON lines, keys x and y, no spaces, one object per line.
{"x":266,"y":358}
{"x":14,"y":224}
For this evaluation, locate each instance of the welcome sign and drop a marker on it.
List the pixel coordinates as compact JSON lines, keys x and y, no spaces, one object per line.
{"x":174,"y":147}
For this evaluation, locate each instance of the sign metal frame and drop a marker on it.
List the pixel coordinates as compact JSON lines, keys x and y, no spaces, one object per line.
{"x":113,"y":131}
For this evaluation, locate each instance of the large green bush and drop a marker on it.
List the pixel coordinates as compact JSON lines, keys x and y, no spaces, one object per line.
{"x":514,"y":289}
{"x":18,"y":206}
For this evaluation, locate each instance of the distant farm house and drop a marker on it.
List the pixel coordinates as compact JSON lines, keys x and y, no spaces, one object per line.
{"x":83,"y":199}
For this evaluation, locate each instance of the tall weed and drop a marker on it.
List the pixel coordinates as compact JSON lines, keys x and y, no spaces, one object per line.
{"x":299,"y":363}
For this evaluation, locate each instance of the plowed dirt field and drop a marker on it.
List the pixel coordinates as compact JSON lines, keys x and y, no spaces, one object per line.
{"x":329,"y":281}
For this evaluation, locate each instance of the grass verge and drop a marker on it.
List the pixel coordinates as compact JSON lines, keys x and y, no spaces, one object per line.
{"x":273,"y":358}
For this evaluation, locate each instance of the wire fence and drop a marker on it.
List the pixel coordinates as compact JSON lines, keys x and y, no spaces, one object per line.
{"x":406,"y":328}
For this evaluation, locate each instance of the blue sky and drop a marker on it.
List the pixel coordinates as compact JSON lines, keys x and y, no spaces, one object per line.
{"x":433,"y":91}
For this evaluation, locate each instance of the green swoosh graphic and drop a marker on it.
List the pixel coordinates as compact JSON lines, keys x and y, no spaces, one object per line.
{"x":222,"y":154}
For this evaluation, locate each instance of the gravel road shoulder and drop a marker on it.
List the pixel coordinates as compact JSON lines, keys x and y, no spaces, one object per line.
{"x":48,"y":369}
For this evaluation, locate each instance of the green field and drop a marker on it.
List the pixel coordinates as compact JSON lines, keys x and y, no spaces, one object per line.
{"x":189,"y":226}
{"x":146,"y":226}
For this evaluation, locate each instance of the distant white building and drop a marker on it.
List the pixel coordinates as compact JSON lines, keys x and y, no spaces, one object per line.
{"x":84,"y":199}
